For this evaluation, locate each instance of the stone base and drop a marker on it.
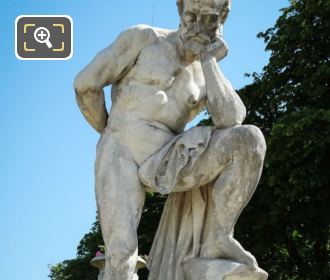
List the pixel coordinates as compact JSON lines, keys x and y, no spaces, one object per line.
{"x":219,"y":269}
{"x":99,"y":262}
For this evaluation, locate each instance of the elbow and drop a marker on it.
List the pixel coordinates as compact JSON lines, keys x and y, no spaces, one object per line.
{"x":230,"y":117}
{"x":81,"y":83}
{"x":241,"y":112}
{"x":78,"y":85}
{"x":82,"y":88}
{"x":226,"y":122}
{"x":238,"y":115}
{"x":84,"y":83}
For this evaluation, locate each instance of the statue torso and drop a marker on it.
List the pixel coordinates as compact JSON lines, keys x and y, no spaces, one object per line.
{"x":156,"y":98}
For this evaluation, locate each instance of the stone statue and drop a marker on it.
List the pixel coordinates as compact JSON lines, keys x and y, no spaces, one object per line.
{"x":161,"y":79}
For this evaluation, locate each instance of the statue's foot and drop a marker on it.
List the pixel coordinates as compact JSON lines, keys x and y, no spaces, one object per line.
{"x":230,"y":248}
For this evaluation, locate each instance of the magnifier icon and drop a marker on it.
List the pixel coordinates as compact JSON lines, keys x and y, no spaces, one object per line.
{"x":42,"y":35}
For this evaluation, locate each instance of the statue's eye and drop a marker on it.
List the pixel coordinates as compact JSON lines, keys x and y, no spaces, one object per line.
{"x":209,"y":20}
{"x":189,"y":17}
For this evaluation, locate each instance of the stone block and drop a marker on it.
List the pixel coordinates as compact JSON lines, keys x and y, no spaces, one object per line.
{"x":220,"y":269}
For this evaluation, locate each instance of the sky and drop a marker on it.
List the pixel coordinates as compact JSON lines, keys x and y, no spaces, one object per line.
{"x":47,"y":149}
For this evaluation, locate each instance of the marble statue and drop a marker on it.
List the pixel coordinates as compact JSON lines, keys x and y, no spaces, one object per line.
{"x":161,"y":79}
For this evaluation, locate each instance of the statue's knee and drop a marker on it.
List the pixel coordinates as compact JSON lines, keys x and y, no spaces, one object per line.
{"x":250,"y":139}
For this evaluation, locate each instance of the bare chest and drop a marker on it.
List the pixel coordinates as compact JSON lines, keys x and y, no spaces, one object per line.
{"x":160,"y":66}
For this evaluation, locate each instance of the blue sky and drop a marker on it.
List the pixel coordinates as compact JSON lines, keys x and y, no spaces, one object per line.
{"x":47,"y":150}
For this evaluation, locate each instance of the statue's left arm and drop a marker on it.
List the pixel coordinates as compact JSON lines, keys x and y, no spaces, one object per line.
{"x":224,"y":104}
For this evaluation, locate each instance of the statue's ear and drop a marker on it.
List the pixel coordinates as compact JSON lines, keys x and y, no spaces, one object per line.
{"x":179,"y":3}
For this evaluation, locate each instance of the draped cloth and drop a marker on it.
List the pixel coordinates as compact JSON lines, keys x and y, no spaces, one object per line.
{"x":186,"y":228}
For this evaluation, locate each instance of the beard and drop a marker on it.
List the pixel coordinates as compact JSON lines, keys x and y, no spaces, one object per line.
{"x":194,"y":42}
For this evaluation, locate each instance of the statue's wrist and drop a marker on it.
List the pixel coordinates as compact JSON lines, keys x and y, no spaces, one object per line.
{"x":206,"y":57}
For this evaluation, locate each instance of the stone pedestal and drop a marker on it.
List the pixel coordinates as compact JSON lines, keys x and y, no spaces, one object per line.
{"x":99,"y":262}
{"x":219,"y":269}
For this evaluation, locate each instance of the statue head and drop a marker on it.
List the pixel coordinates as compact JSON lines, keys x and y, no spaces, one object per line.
{"x":201,"y":21}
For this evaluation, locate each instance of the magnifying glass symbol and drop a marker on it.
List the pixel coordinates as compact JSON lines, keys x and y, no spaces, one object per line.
{"x":42,"y":35}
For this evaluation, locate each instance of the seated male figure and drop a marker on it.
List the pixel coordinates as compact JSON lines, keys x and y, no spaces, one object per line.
{"x":161,"y":79}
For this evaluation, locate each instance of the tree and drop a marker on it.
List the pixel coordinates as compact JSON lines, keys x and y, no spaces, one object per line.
{"x":287,"y":221}
{"x":297,"y":75}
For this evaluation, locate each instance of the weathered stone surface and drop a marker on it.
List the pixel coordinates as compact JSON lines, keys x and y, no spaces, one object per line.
{"x":161,"y":79}
{"x":99,"y":262}
{"x":217,"y":269}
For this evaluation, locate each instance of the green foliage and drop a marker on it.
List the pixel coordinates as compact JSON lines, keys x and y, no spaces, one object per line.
{"x":287,"y":223}
{"x":297,"y":75}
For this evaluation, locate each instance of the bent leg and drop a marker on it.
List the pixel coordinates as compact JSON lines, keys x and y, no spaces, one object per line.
{"x":120,"y":198}
{"x":233,"y":161}
{"x":235,"y":187}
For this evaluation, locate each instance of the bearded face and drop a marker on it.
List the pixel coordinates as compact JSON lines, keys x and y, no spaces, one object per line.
{"x":200,"y":22}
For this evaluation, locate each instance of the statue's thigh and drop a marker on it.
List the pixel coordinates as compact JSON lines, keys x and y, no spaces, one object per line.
{"x":210,"y":164}
{"x":119,"y":193}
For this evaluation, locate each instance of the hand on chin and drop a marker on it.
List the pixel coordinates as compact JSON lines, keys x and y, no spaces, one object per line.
{"x":217,"y":49}
{"x":202,"y":46}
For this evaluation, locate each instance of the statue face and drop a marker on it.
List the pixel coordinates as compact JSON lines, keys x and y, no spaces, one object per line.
{"x":200,"y":22}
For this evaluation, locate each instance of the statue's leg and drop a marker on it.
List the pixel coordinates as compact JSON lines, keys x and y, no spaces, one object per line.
{"x":120,"y":199}
{"x":235,"y":186}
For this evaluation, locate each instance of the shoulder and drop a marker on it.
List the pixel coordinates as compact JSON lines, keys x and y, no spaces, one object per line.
{"x":143,"y":33}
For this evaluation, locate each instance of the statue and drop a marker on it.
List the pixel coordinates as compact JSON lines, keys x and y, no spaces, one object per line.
{"x":161,"y":79}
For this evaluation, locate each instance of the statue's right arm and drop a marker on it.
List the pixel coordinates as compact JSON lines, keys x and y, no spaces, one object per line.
{"x":108,"y":67}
